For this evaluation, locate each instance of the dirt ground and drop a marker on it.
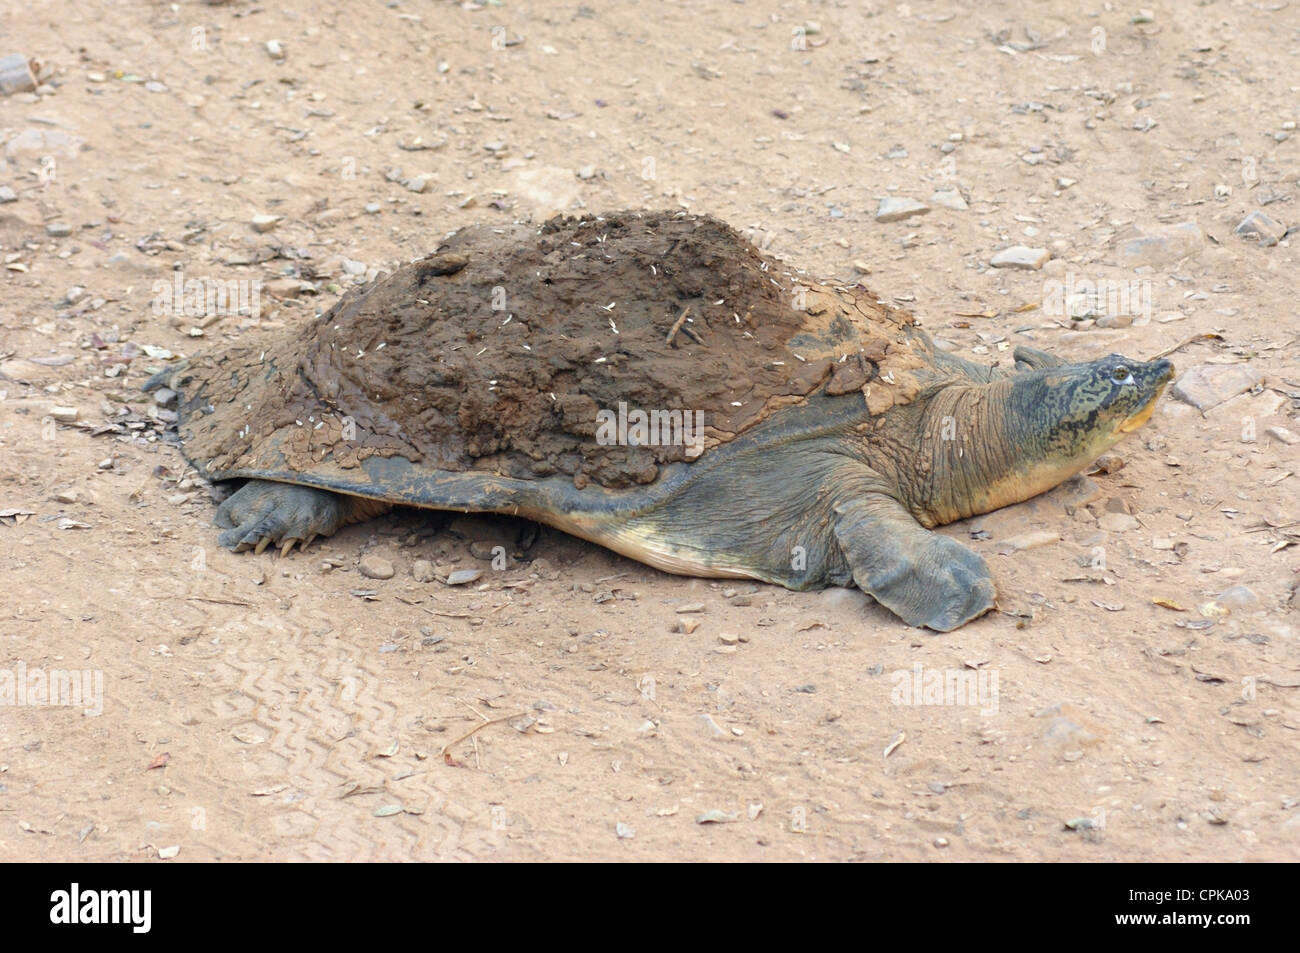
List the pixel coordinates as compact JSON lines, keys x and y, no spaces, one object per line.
{"x":260,"y":708}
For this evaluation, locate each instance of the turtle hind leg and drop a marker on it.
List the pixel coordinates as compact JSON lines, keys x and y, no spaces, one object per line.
{"x":527,"y":535}
{"x":262,"y":513}
{"x":922,"y":577}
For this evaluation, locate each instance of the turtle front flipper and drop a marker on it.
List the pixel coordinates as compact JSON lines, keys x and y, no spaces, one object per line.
{"x":262,"y":513}
{"x":1031,"y":358}
{"x":923,"y":577}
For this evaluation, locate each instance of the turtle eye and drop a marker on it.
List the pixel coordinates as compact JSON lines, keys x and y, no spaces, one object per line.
{"x":1121,"y":374}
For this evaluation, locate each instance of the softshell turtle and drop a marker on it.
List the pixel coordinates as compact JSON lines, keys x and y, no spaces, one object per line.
{"x":653,"y":383}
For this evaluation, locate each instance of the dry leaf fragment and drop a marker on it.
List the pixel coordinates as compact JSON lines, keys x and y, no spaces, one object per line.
{"x":894,"y":742}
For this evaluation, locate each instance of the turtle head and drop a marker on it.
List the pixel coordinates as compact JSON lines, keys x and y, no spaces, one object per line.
{"x":1064,"y":417}
{"x":1034,"y":429}
{"x":1081,"y":410}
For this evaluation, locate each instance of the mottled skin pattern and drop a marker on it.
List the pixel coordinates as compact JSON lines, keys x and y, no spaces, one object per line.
{"x":823,"y":494}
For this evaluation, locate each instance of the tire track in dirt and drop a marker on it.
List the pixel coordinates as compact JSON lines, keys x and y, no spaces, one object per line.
{"x":317,"y":724}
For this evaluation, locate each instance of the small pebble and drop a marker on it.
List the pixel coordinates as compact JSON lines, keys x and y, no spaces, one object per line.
{"x":1260,"y":228}
{"x":1161,"y":244}
{"x":1020,"y":256}
{"x":949,"y":198}
{"x":1238,"y":599}
{"x":1208,"y":385}
{"x":716,"y":817}
{"x":709,"y":727}
{"x":375,"y":567}
{"x":1030,"y":540}
{"x":895,"y":209}
{"x":484,"y":549}
{"x":1118,"y":522}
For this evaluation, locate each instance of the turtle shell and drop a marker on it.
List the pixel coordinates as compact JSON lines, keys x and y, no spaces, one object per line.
{"x":500,"y":351}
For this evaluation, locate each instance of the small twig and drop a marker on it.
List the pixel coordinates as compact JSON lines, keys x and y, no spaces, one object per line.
{"x":412,"y":602}
{"x":677,"y":325}
{"x":1206,"y":336}
{"x":479,"y":727}
{"x":471,"y":707}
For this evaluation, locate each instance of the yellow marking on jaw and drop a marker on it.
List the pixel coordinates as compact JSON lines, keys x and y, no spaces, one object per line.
{"x":1141,"y":417}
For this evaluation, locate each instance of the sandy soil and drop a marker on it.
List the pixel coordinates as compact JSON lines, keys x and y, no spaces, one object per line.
{"x":258,"y":708}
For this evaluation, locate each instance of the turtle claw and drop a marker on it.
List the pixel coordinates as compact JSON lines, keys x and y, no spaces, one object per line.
{"x":261,"y":514}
